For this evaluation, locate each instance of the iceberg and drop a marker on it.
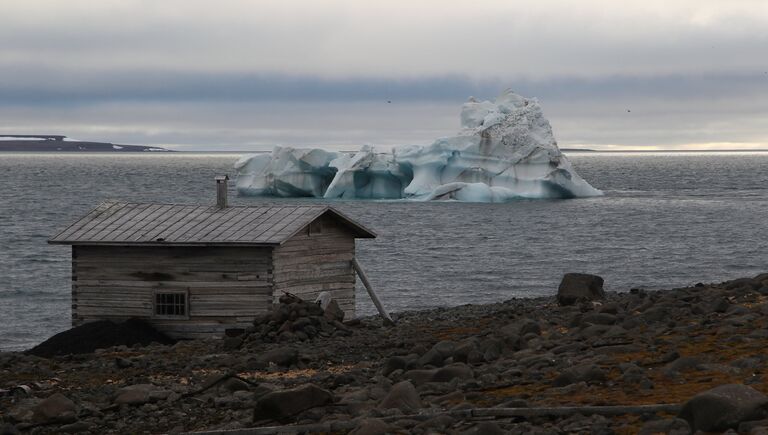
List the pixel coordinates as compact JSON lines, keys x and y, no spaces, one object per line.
{"x":505,"y":151}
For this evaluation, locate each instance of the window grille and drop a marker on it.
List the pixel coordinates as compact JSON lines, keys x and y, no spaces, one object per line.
{"x":171,"y":304}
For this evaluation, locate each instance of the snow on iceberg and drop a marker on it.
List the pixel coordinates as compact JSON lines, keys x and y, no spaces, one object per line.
{"x":506,"y":150}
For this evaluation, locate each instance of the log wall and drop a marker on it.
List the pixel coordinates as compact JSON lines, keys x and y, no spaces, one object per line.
{"x":226,"y":286}
{"x":317,"y":259}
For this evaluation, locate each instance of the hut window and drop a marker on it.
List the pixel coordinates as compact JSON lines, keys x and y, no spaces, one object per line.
{"x":171,"y":304}
{"x":315,"y":227}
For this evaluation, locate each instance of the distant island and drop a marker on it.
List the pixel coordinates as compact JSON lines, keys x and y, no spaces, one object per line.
{"x":48,"y":143}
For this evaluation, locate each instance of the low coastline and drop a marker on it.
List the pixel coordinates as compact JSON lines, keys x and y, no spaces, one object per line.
{"x":427,"y":373}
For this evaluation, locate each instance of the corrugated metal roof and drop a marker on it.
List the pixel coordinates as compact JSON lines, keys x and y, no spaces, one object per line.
{"x":174,"y":224}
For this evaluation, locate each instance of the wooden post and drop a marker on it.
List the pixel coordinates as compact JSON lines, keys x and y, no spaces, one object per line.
{"x":364,"y":278}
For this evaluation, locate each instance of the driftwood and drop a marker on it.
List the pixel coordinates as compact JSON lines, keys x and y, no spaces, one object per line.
{"x":364,"y":278}
{"x":464,"y":414}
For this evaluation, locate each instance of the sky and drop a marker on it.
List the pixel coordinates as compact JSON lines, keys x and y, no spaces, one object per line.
{"x":251,"y":74}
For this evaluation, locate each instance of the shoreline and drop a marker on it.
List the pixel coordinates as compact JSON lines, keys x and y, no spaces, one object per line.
{"x":633,"y":350}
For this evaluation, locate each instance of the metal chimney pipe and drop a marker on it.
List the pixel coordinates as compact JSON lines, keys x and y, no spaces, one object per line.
{"x":221,"y":191}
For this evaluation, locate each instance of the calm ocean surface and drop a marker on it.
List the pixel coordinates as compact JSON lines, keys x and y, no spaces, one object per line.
{"x":667,"y":219}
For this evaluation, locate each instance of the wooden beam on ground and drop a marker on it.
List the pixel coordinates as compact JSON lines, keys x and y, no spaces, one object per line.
{"x":371,"y":293}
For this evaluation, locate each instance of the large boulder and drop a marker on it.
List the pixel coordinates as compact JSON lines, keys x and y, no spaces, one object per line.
{"x":402,"y":396}
{"x":55,"y":408}
{"x":139,"y":394}
{"x":278,"y":405}
{"x":576,"y":287}
{"x":724,"y":407}
{"x":281,"y":356}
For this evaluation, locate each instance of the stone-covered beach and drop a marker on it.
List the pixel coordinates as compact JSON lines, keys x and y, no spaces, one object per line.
{"x":629,"y":363}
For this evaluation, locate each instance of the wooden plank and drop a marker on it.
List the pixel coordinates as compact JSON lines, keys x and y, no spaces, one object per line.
{"x":305,"y":287}
{"x":148,"y":223}
{"x":115,"y":267}
{"x":287,"y":261}
{"x":236,"y":253}
{"x":167,"y":284}
{"x":167,"y":276}
{"x":126,"y":290}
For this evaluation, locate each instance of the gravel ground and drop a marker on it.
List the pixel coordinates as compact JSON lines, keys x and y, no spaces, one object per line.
{"x":521,"y":366}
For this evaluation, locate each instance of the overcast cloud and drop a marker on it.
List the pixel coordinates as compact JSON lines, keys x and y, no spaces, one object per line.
{"x":239,"y":74}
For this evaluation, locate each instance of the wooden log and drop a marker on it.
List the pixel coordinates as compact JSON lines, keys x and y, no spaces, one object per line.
{"x":371,"y":293}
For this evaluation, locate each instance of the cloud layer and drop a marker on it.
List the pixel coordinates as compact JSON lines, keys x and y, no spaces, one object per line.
{"x":241,"y":74}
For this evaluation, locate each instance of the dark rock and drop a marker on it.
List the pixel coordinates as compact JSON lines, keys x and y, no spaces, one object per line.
{"x":76,"y":427}
{"x":491,"y":349}
{"x":57,"y":407}
{"x":437,"y":354}
{"x":655,"y":314}
{"x":437,"y":423}
{"x":232,"y":343}
{"x":333,"y":312}
{"x":599,"y":319}
{"x":724,"y":407}
{"x":371,"y":426}
{"x":453,"y":371}
{"x":101,"y":334}
{"x":8,"y":429}
{"x":420,"y":376}
{"x":279,"y":405}
{"x":751,"y":427}
{"x":671,"y":426}
{"x":139,"y":394}
{"x":281,"y":356}
{"x":682,"y":364}
{"x":123,"y":363}
{"x":393,"y":363}
{"x":528,"y":326}
{"x":576,"y":287}
{"x":233,"y":384}
{"x":486,"y":428}
{"x":463,"y":349}
{"x":744,"y":283}
{"x":588,"y":373}
{"x":402,"y":396}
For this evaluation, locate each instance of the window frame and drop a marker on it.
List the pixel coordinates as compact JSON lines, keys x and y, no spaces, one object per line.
{"x":157,"y":292}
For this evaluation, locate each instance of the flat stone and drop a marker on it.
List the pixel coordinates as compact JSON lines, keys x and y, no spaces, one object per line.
{"x":724,"y":407}
{"x":279,"y":405}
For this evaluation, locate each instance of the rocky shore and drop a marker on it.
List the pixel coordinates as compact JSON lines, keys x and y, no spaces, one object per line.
{"x":674,"y":361}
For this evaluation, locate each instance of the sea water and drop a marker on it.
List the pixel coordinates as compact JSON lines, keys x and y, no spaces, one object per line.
{"x":666,"y":220}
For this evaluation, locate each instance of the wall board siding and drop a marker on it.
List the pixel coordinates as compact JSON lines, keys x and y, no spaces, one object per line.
{"x":312,"y":262}
{"x":226,"y":287}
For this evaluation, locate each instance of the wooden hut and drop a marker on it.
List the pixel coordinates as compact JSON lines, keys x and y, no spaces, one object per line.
{"x":194,"y":271}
